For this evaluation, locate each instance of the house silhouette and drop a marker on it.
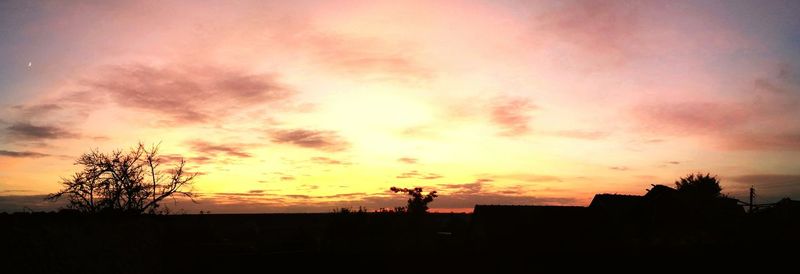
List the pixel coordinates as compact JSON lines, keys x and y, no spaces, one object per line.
{"x":663,"y":219}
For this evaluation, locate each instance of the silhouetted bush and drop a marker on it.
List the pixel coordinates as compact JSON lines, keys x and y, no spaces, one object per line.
{"x":418,"y":203}
{"x":398,"y":209}
{"x":124,"y":182}
{"x":347,"y":210}
{"x":699,"y":186}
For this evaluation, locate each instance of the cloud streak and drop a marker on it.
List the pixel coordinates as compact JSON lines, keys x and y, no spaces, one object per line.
{"x":769,"y":187}
{"x":769,"y":181}
{"x":186,"y":94}
{"x":23,"y":131}
{"x":763,"y":120}
{"x":366,"y":58}
{"x":328,"y":161}
{"x":407,"y":160}
{"x":316,"y":139}
{"x":512,"y":115}
{"x":599,"y":33}
{"x":525,"y":177}
{"x":22,"y":154}
{"x":581,"y":134}
{"x":418,"y":175}
{"x":22,"y":203}
{"x":470,"y":188}
{"x":209,"y":151}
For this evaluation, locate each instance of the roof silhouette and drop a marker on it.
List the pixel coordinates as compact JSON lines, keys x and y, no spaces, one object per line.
{"x":615,"y":201}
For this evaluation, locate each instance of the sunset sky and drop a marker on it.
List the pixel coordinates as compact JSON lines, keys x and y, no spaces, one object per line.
{"x":306,"y":106}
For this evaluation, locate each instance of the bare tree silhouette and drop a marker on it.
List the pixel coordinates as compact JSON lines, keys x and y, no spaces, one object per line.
{"x":124,"y":182}
{"x":418,"y":203}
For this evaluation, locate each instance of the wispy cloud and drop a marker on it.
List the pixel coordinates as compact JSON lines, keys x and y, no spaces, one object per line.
{"x":763,"y":141}
{"x":469,"y":188}
{"x":260,"y":201}
{"x":328,"y":161}
{"x":525,"y":177}
{"x":36,"y":110}
{"x":769,"y":187}
{"x":581,"y":134}
{"x":418,"y":175}
{"x":269,"y":202}
{"x":407,"y":160}
{"x":769,"y":181}
{"x":207,"y":148}
{"x":316,"y":139}
{"x":692,"y":117}
{"x":187,"y":94}
{"x":763,"y":120}
{"x":22,"y":154}
{"x":366,"y":57}
{"x":603,"y":32}
{"x":512,"y":115}
{"x":23,"y":131}
{"x":21,"y":203}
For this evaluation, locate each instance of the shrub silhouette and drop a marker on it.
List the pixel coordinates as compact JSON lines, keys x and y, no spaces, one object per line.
{"x":348,"y":210}
{"x":699,"y":186}
{"x":124,"y":182}
{"x":418,"y":203}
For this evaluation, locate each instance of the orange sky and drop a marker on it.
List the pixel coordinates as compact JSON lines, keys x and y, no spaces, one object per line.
{"x":309,"y":106}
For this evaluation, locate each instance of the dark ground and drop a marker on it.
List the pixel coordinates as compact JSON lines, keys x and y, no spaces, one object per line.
{"x":60,"y":243}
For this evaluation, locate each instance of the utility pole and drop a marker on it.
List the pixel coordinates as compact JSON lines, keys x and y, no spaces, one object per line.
{"x":752,"y":198}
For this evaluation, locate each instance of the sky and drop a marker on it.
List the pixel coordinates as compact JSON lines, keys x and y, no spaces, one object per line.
{"x":307,"y":106}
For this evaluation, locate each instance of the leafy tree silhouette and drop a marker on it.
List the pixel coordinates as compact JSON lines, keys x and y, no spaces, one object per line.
{"x":124,"y":182}
{"x":699,"y":186}
{"x":418,"y":203}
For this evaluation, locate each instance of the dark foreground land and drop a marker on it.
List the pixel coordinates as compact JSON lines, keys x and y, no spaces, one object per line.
{"x":508,"y":236}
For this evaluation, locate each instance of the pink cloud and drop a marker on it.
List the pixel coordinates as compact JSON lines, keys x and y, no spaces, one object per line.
{"x":692,"y":117}
{"x":726,"y":126}
{"x":22,"y":154}
{"x":461,"y":189}
{"x":418,"y":175}
{"x":328,"y":161}
{"x":316,"y":139}
{"x":603,"y":32}
{"x":762,"y":141}
{"x":407,"y":160}
{"x":769,"y":187}
{"x":581,"y":134}
{"x":211,"y":150}
{"x":369,"y":58}
{"x":765,"y":119}
{"x":511,"y":114}
{"x":186,"y":94}
{"x":25,"y":131}
{"x":526,"y":177}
